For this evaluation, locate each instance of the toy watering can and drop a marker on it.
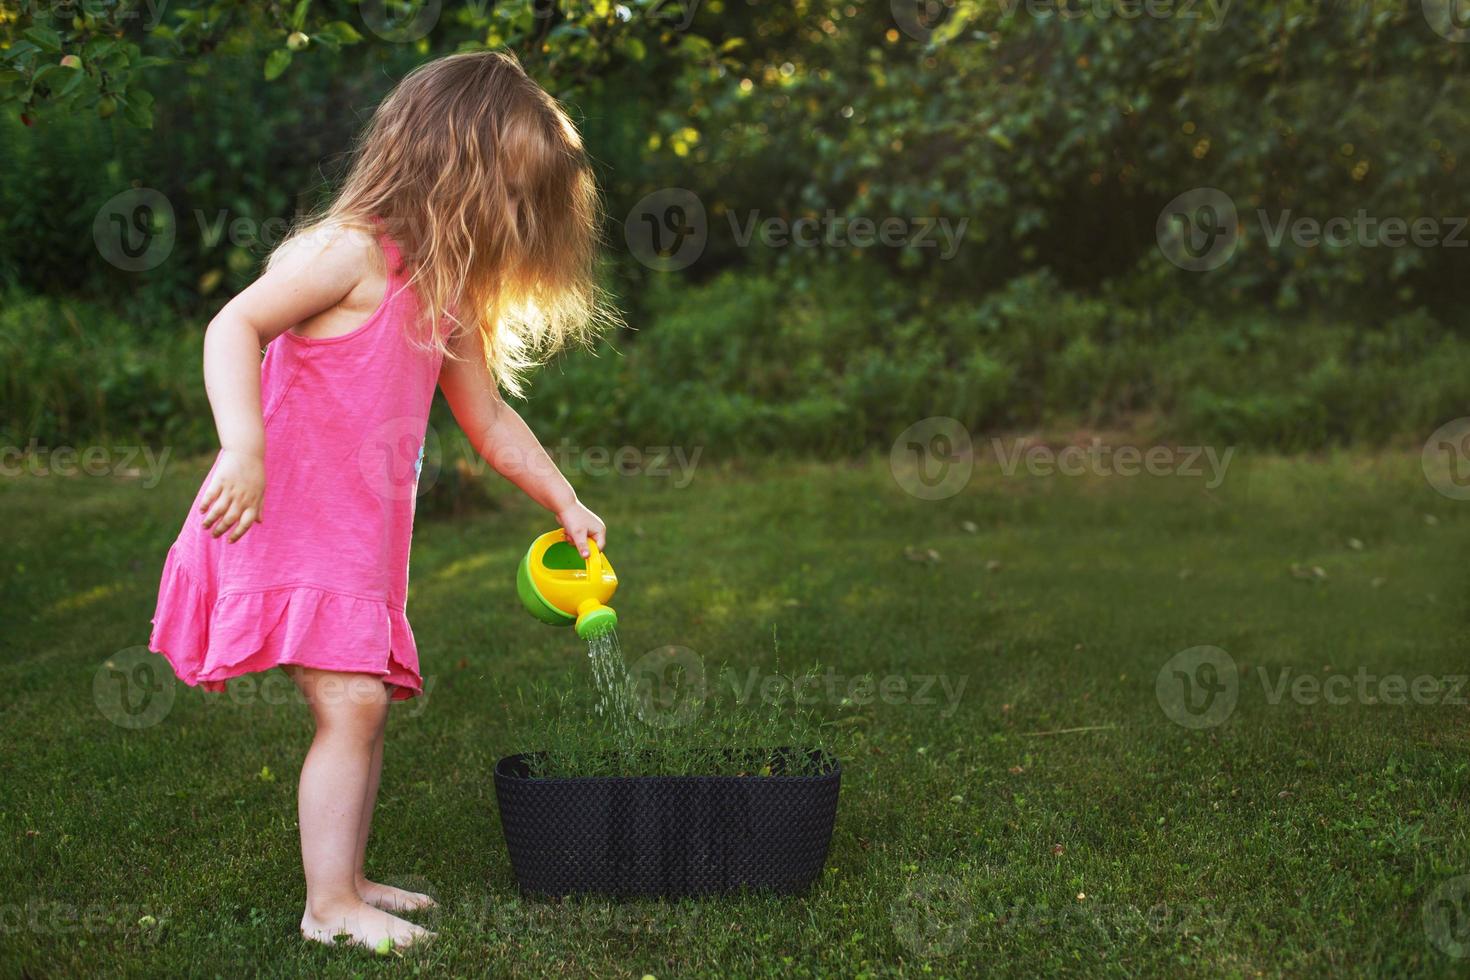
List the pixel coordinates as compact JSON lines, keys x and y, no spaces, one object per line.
{"x":558,"y":586}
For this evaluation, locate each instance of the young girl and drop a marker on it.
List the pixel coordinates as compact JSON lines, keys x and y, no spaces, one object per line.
{"x":458,"y":252}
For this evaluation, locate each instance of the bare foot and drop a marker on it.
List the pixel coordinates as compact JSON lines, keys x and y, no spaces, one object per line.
{"x":393,"y":899}
{"x":361,"y":924}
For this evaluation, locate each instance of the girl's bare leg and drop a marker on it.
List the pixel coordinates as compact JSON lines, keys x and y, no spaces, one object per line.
{"x":383,"y":896}
{"x":349,"y":710}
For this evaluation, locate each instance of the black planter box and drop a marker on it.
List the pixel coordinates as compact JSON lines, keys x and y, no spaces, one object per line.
{"x":666,"y":835}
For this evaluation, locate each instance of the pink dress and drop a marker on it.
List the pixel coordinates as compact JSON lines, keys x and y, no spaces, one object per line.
{"x":323,"y":581}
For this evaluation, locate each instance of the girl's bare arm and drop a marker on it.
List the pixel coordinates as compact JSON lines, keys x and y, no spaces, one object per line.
{"x":502,"y":438}
{"x":307,"y":278}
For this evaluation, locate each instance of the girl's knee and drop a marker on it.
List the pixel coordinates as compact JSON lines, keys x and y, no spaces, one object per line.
{"x":349,"y":703}
{"x":358,"y":722}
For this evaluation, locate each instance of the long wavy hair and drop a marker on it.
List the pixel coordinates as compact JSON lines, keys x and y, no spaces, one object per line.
{"x":480,"y":178}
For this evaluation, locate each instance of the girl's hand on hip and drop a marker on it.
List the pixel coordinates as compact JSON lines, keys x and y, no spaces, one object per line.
{"x":579,"y":524}
{"x":234,"y":495}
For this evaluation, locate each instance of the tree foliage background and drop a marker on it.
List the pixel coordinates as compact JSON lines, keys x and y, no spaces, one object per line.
{"x":1053,"y":134}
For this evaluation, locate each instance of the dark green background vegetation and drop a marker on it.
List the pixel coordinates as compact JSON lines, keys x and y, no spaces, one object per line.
{"x":1058,"y":138}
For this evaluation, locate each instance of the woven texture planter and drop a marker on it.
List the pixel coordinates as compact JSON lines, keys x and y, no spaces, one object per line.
{"x":665,"y":835}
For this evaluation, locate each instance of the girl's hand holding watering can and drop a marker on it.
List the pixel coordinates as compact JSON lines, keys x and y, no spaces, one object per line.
{"x":579,"y":523}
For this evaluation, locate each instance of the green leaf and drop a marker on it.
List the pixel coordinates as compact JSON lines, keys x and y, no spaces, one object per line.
{"x":276,"y":62}
{"x":298,"y":15}
{"x":45,"y":38}
{"x":98,"y":48}
{"x":20,"y":51}
{"x":138,"y":114}
{"x":70,"y":85}
{"x":696,"y":48}
{"x":342,"y":32}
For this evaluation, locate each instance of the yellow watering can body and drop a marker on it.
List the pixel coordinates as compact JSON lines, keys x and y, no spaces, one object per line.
{"x":559,"y":587}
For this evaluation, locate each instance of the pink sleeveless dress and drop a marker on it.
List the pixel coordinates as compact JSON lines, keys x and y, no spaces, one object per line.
{"x":323,"y":581}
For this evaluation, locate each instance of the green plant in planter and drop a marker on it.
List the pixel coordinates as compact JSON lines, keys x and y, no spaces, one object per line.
{"x":698,"y":725}
{"x":713,"y":788}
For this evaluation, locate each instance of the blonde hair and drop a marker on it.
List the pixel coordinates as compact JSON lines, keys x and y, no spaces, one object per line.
{"x":479,"y":176}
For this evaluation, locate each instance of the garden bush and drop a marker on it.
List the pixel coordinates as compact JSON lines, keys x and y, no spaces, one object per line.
{"x":754,"y":362}
{"x":74,"y":373}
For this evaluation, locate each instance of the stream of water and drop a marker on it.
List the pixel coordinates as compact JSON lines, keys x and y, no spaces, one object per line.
{"x":610,"y":675}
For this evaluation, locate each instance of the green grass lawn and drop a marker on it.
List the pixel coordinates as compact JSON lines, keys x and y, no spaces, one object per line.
{"x":1050,"y":818}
